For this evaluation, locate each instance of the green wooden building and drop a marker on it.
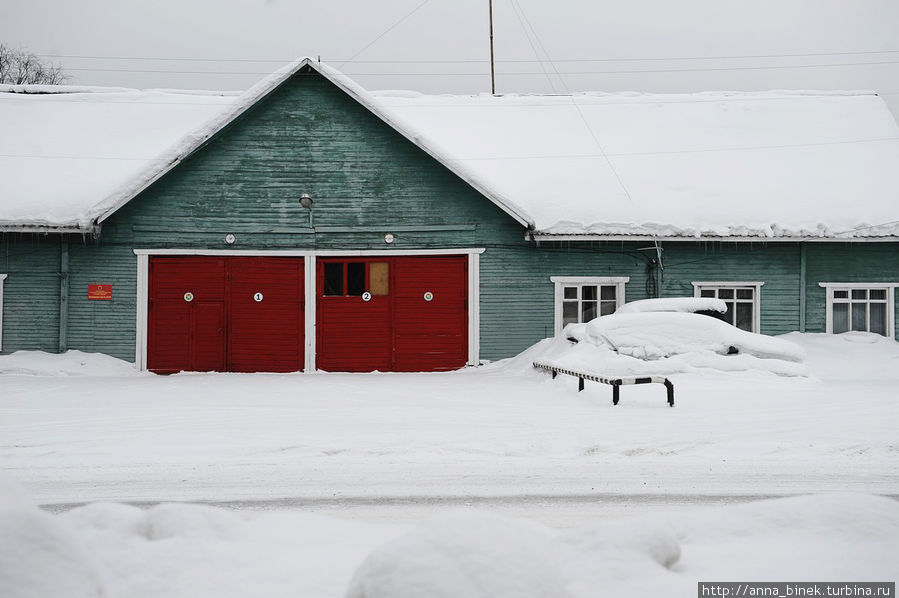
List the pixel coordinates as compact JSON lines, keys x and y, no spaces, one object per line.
{"x":310,"y":224}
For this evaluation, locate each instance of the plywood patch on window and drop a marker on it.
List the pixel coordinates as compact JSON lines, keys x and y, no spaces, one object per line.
{"x":379,"y":278}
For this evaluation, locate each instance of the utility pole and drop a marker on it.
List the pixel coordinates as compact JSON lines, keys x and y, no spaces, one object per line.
{"x":492,"y":67}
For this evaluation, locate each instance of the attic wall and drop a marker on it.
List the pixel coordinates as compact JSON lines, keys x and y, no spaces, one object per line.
{"x":310,"y":137}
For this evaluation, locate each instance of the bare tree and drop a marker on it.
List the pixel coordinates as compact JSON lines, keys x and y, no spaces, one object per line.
{"x":20,"y":67}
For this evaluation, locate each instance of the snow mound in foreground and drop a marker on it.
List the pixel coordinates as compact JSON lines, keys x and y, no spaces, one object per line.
{"x":469,"y":554}
{"x":478,"y":554}
{"x":661,"y":344}
{"x":70,"y":363}
{"x":39,"y":554}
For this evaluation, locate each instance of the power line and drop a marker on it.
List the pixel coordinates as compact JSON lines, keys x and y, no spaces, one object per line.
{"x":515,"y":73}
{"x":385,"y":32}
{"x":475,"y":61}
{"x":518,"y":13}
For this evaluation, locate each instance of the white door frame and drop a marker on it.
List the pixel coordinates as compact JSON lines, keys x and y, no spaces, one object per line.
{"x":309,"y":286}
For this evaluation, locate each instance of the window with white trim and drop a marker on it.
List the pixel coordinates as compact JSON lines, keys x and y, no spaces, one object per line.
{"x":743,"y":300}
{"x":2,"y":278}
{"x":862,"y":307}
{"x":583,"y":298}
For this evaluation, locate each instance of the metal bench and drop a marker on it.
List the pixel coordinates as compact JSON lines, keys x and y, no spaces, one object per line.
{"x":615,"y":383}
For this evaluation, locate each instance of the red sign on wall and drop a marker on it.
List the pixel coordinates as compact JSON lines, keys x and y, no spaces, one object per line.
{"x":99,"y":292}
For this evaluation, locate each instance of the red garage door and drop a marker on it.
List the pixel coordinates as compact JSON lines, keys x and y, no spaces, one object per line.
{"x":405,"y":314}
{"x":225,"y":314}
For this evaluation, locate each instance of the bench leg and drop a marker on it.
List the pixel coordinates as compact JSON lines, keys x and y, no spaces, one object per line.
{"x":615,"y":390}
{"x":580,"y":384}
{"x":670,"y":388}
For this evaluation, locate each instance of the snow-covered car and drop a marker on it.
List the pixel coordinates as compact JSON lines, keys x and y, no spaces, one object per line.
{"x":664,"y":336}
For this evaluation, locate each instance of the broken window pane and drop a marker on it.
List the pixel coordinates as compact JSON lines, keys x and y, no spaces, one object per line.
{"x":379,"y":278}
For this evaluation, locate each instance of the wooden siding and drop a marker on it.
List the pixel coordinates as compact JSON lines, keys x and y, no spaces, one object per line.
{"x":844,"y":262}
{"x":517,"y":296}
{"x":102,"y":326}
{"x":30,"y":292}
{"x":775,"y":264}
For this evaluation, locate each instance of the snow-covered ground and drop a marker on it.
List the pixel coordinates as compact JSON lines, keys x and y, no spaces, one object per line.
{"x":80,"y":428}
{"x":502,"y":430}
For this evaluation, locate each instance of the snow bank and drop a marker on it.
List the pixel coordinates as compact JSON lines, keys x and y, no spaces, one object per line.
{"x":678,"y":304}
{"x":814,"y":538}
{"x":40,"y":555}
{"x":469,"y":554}
{"x":186,"y":551}
{"x":70,"y":363}
{"x":860,"y":356}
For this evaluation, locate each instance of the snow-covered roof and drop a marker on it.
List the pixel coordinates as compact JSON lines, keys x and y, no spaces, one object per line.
{"x":63,"y":151}
{"x":772,"y":165}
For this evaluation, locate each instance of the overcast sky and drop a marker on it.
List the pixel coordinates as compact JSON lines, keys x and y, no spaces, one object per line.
{"x":442,"y":45}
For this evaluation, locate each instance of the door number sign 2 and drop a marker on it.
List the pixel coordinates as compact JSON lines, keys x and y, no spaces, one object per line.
{"x":366,"y":296}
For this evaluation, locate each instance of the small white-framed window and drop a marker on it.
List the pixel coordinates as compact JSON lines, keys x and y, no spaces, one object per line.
{"x":743,"y":299}
{"x":583,"y":298}
{"x":2,"y":278}
{"x":860,"y":306}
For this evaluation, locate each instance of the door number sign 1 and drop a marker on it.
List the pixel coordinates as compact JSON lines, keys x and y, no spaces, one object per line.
{"x":257,"y":297}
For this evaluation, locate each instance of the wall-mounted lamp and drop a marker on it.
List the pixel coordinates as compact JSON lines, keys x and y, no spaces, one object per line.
{"x":306,"y":201}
